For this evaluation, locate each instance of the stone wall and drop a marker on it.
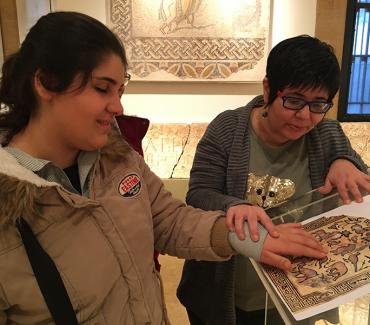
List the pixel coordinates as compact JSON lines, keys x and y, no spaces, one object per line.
{"x":169,"y":148}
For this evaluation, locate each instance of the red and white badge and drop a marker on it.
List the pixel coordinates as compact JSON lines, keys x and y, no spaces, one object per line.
{"x":130,"y":186}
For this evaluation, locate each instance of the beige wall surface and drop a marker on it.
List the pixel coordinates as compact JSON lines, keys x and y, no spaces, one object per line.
{"x":94,"y":8}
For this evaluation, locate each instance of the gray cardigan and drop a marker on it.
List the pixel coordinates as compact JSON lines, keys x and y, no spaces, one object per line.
{"x":218,"y":180}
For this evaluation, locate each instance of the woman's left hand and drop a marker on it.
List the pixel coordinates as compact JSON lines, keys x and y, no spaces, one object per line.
{"x":345,"y":176}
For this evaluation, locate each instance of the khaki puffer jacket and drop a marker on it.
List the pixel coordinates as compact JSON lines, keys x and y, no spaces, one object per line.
{"x":102,"y":245}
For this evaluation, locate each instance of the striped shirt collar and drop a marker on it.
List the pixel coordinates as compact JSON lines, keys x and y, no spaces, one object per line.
{"x":27,"y":161}
{"x":48,"y":171}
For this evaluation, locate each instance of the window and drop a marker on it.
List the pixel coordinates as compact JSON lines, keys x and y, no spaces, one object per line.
{"x":354,"y":100}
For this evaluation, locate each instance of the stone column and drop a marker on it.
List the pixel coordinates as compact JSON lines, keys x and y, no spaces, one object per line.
{"x":9,"y":26}
{"x":330,"y":23}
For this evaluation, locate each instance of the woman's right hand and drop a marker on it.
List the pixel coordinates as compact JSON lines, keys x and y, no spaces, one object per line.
{"x":238,"y":214}
{"x":293,"y":241}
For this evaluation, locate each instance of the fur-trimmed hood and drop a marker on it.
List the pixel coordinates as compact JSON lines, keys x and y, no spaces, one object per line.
{"x":20,"y":188}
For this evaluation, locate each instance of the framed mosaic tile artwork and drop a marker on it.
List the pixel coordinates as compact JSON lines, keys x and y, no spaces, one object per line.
{"x":193,"y":40}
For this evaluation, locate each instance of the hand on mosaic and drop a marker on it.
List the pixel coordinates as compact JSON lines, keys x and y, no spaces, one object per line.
{"x":347,"y":179}
{"x":293,"y":241}
{"x":237,"y":214}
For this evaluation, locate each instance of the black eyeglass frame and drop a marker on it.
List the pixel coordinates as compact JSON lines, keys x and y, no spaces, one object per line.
{"x":328,"y":105}
{"x":127,"y":78}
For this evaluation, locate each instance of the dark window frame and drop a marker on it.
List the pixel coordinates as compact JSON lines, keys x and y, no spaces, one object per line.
{"x":343,"y":116}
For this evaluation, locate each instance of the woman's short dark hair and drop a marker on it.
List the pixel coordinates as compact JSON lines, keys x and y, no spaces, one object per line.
{"x":60,"y":46}
{"x":302,"y":62}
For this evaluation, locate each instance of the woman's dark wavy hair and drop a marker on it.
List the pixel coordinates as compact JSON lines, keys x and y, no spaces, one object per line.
{"x":60,"y":46}
{"x":302,"y":62}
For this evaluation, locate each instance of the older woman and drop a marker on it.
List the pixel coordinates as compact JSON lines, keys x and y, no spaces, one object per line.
{"x":279,"y":138}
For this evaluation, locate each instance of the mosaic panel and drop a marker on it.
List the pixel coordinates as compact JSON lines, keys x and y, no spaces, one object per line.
{"x":189,"y":40}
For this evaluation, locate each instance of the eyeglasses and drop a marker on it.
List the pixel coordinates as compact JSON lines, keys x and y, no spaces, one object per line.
{"x":126,"y":79}
{"x":296,"y":104}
